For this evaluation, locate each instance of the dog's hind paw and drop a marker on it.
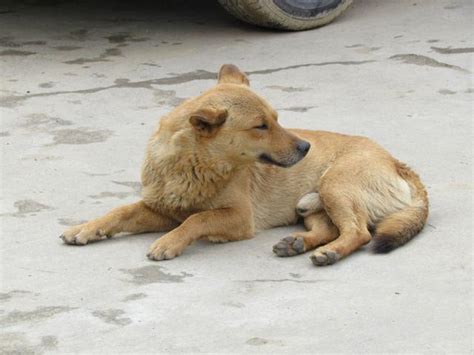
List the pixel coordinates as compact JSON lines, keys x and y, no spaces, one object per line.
{"x":324,"y":257}
{"x":289,"y":246}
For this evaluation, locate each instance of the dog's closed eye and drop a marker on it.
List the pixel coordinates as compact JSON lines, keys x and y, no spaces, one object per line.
{"x":263,"y":126}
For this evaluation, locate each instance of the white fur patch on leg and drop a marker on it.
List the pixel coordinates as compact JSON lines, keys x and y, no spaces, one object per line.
{"x":309,"y":204}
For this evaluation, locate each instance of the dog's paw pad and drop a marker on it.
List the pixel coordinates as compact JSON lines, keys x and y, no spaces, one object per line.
{"x":73,"y":240}
{"x":289,"y":246}
{"x":163,"y":250}
{"x":83,"y":234}
{"x":324,"y":257}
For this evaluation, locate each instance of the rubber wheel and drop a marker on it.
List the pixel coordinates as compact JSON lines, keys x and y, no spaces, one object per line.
{"x":286,"y":14}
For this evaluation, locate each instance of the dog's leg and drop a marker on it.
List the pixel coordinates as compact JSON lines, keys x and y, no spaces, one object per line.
{"x":321,"y":230}
{"x":134,"y":218}
{"x":351,"y":222}
{"x":229,"y":224}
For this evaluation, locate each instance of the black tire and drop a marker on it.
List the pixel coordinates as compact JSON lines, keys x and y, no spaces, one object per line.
{"x":286,"y":14}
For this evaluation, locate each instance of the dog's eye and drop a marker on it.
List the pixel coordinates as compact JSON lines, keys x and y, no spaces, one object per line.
{"x":263,"y":126}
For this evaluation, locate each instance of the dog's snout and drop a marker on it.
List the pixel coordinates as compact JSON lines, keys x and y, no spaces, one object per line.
{"x":303,"y":147}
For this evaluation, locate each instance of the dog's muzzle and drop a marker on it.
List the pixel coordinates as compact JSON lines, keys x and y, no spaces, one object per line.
{"x":302,"y":148}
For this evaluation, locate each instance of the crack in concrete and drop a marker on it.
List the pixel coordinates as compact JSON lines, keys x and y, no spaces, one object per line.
{"x":321,"y":64}
{"x":283,"y":280}
{"x":449,"y":50}
{"x":297,"y":108}
{"x":173,"y":79}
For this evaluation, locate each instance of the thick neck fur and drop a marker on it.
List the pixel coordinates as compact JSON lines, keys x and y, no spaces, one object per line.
{"x":177,"y":174}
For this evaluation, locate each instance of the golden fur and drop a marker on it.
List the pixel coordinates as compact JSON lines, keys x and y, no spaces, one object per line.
{"x":221,"y":167}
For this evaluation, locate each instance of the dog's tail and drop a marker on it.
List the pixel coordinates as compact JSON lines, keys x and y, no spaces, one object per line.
{"x":398,"y":228}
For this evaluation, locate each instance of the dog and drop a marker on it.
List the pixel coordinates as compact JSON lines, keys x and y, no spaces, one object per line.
{"x":221,"y":167}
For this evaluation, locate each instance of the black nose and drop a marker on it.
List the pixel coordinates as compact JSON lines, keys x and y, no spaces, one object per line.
{"x":303,"y":147}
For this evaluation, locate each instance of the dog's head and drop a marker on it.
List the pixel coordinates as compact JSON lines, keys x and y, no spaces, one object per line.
{"x":231,"y":122}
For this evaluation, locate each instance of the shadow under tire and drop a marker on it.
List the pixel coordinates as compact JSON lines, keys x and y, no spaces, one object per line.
{"x":286,"y":14}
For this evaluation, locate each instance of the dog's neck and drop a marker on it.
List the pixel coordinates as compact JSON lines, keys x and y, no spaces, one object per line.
{"x":180,"y":177}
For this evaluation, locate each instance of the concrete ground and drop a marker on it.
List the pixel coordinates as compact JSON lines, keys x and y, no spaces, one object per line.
{"x":82,"y":88}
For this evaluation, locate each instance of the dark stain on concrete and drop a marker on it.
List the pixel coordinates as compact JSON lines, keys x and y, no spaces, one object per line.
{"x":233,"y":304}
{"x":70,"y":221}
{"x":103,"y":57}
{"x":44,"y":123}
{"x":288,"y":88}
{"x":446,"y":92}
{"x":469,"y":91}
{"x":432,"y":41}
{"x":140,"y":39}
{"x":153,"y":274}
{"x":123,"y":37}
{"x":49,"y":342}
{"x":40,"y":157}
{"x":167,"y":97}
{"x":79,"y":35}
{"x":17,"y":343}
{"x":112,"y":316}
{"x":134,"y":297}
{"x":357,"y":45}
{"x":256,"y":341}
{"x":46,"y":85}
{"x":118,"y":37}
{"x":34,"y":43}
{"x":135,"y":185}
{"x":5,"y":296}
{"x":15,"y":53}
{"x":152,"y":65}
{"x":81,"y":135}
{"x":297,"y":108}
{"x":283,"y":280}
{"x":424,"y":61}
{"x":4,"y":134}
{"x":9,"y":42}
{"x":39,"y":314}
{"x":25,"y":207}
{"x":107,"y":194}
{"x":67,"y":48}
{"x":450,"y":50}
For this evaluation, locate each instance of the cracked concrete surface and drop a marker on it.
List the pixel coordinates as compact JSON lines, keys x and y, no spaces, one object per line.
{"x":83,"y":85}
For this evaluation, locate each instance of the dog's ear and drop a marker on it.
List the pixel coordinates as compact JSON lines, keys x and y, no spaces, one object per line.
{"x":229,"y":73}
{"x":207,"y":121}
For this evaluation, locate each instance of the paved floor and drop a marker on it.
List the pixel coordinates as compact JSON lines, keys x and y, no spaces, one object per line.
{"x":82,"y":90}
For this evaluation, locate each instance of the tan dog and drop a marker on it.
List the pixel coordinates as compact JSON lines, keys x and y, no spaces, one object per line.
{"x":221,"y":167}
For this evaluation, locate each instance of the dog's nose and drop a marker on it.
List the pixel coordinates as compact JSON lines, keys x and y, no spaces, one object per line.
{"x":303,"y":147}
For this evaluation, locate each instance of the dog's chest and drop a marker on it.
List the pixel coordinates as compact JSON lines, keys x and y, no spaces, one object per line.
{"x":180,"y":189}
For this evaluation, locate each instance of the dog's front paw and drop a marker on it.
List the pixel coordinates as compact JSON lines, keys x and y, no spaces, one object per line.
{"x":323,"y":257}
{"x":289,"y":246}
{"x":82,"y":234}
{"x":164,"y":249}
